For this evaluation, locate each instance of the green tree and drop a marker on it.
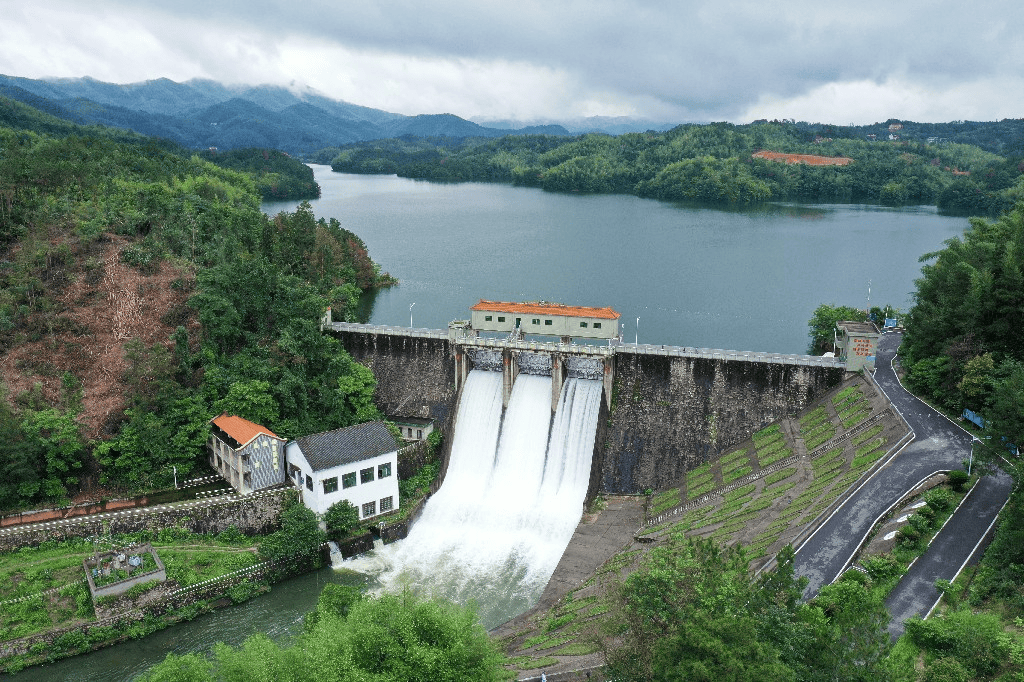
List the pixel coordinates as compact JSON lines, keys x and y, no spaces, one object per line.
{"x":391,"y":638}
{"x":250,"y":400}
{"x":692,"y":612}
{"x":54,"y":438}
{"x":822,"y":325}
{"x":299,"y":534}
{"x":851,"y":639}
{"x":341,"y":517}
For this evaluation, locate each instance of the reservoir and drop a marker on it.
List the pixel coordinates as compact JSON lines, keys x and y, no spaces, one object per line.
{"x":733,"y":279}
{"x":744,"y":279}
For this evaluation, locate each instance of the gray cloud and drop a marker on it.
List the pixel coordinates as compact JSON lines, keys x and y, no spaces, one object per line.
{"x":700,"y":60}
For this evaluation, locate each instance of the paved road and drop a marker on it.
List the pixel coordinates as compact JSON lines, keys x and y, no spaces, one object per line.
{"x":939,"y":445}
{"x":955,"y":545}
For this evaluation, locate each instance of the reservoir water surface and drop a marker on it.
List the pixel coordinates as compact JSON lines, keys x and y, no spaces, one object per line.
{"x":733,"y":279}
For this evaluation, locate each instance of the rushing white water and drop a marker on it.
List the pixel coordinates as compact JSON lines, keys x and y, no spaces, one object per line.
{"x":495,"y":531}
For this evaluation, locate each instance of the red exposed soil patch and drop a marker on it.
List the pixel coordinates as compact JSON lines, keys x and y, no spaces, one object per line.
{"x":809,"y":159}
{"x":98,"y":311}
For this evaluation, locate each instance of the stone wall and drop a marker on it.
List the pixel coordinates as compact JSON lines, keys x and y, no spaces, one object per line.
{"x":253,"y":514}
{"x":415,"y":376}
{"x":672,"y":413}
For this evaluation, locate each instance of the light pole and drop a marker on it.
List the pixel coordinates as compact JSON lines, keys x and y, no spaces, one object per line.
{"x":410,"y":314}
{"x":636,"y":341}
{"x":175,"y":476}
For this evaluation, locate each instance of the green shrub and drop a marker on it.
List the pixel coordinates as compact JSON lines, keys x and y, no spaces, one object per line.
{"x":231,"y":535}
{"x":735,"y":473}
{"x":561,"y":621}
{"x":71,"y":641}
{"x":957,"y":479}
{"x":882,"y":568}
{"x":946,"y":669}
{"x":243,"y":591}
{"x":908,"y":534}
{"x":941,"y":499}
{"x":975,"y":640}
{"x":774,"y":456}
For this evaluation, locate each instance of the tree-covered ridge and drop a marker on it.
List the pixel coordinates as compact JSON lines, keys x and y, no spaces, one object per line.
{"x":709,"y":164}
{"x":151,"y":280}
{"x":277,"y":175}
{"x":962,"y":346}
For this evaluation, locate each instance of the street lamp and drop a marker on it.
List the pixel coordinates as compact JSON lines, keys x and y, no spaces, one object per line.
{"x":175,"y":476}
{"x":410,"y":314}
{"x":636,"y":341}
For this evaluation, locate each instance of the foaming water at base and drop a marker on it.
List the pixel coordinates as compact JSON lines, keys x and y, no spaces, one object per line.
{"x":495,"y":531}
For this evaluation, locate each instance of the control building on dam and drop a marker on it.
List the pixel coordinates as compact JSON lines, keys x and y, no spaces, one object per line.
{"x":665,"y":409}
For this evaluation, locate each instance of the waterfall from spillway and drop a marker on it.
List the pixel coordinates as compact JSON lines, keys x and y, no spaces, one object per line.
{"x":495,"y":531}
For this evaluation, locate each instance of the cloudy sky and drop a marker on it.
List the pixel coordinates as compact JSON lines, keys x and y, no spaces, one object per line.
{"x":674,"y":61}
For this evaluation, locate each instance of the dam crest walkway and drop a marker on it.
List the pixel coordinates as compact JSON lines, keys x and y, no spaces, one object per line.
{"x":590,"y":349}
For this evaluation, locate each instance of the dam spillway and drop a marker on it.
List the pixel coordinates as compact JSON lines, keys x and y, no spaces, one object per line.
{"x":677,"y":406}
{"x":513,"y":495}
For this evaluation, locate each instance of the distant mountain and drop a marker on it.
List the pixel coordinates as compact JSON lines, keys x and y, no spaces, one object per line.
{"x":610,"y":125}
{"x":200,"y":114}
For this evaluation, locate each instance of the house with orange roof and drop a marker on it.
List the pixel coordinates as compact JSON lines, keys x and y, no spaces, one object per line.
{"x":250,"y":457}
{"x":545,"y":319}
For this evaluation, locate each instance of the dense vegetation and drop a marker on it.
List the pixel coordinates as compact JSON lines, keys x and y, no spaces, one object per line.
{"x":962,"y":349}
{"x":391,"y":638}
{"x":277,"y":175}
{"x":708,"y":164}
{"x":694,"y":612}
{"x":257,"y":286}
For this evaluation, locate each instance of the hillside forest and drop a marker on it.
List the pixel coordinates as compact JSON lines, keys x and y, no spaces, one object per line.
{"x":143,"y":292}
{"x":713,"y":164}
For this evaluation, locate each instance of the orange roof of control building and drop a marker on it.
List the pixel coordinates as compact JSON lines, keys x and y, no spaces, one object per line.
{"x":241,"y":430}
{"x":545,"y":308}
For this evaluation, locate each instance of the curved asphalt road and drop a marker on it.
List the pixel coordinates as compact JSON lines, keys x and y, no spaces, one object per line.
{"x":939,"y":445}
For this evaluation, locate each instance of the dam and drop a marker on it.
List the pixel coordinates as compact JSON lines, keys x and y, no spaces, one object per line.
{"x":664,"y":409}
{"x":539,"y":427}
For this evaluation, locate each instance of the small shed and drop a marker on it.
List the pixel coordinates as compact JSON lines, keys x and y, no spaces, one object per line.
{"x":857,"y":343}
{"x":414,"y":428}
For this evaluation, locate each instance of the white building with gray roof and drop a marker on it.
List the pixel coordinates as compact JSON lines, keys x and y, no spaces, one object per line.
{"x":358,"y":463}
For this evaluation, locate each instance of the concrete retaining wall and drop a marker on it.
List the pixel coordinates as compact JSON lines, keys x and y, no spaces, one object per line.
{"x":672,"y":413}
{"x":674,"y":408}
{"x":253,"y":514}
{"x":415,"y":376}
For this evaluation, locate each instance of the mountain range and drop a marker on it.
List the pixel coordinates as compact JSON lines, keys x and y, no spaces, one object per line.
{"x":200,"y":114}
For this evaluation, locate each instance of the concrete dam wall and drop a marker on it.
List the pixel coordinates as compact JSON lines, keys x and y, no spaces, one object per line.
{"x":415,"y":375}
{"x":673,"y":412}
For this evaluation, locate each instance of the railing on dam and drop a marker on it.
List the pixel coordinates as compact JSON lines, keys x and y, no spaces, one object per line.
{"x":734,"y":355}
{"x":389,"y":330}
{"x":595,"y":350}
